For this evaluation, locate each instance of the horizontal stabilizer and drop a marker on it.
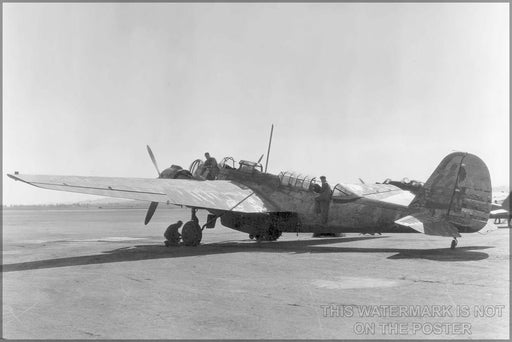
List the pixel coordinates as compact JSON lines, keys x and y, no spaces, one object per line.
{"x":428,"y":224}
{"x":489,"y":227}
{"x":501,"y":212}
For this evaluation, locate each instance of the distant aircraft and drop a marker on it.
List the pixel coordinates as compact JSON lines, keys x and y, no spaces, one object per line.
{"x":502,"y":211}
{"x":455,"y":199}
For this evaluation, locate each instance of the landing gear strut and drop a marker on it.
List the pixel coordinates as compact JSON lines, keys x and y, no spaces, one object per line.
{"x":191,"y":233}
{"x":272,"y":234}
{"x":454,"y":243}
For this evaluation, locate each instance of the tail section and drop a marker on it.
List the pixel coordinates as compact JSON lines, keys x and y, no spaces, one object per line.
{"x":458,"y":193}
{"x":506,"y":203}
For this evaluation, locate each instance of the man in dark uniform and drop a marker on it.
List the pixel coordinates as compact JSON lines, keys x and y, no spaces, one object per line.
{"x":211,"y":166}
{"x":323,"y":200}
{"x":172,"y":235}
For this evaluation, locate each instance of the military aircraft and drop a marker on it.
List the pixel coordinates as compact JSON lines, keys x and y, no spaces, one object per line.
{"x":501,"y":212}
{"x":455,"y":199}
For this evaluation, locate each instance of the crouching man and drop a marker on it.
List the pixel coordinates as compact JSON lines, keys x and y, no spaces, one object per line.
{"x":172,"y":235}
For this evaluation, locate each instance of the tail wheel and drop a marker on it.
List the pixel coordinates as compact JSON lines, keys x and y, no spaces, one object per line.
{"x":454,"y":244}
{"x":191,"y":234}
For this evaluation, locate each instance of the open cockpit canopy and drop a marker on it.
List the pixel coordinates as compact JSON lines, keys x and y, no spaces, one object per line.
{"x":249,"y":166}
{"x":228,"y":163}
{"x":244,"y":165}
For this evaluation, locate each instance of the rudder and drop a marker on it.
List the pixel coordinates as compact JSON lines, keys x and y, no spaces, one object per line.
{"x":459,"y":190}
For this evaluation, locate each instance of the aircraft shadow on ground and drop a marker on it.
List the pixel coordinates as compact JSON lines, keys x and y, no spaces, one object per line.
{"x":156,"y":251}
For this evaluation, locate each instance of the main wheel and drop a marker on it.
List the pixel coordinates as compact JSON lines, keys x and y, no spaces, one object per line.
{"x":273,"y":233}
{"x":191,"y":234}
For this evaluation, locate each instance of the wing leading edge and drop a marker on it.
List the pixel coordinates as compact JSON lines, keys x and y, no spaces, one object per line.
{"x":219,"y":195}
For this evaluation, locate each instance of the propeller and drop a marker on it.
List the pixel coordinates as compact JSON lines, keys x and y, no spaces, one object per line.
{"x":151,"y":211}
{"x":152,"y":156}
{"x":153,"y":205}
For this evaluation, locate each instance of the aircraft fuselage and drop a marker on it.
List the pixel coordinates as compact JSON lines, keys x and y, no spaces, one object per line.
{"x":297,"y":204}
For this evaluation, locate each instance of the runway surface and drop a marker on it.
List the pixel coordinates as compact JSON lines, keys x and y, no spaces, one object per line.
{"x":89,"y":274}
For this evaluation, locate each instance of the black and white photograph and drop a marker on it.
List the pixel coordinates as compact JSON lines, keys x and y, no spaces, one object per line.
{"x":259,"y":170}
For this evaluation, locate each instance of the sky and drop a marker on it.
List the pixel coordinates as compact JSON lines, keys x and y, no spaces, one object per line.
{"x":367,"y":90}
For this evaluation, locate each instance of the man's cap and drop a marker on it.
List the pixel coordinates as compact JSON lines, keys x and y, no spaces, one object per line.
{"x":322,"y":177}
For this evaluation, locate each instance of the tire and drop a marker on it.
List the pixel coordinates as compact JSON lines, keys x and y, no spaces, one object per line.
{"x":273,"y":234}
{"x":191,"y":234}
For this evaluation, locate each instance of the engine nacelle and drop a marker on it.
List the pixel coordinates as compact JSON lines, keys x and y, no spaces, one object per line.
{"x":175,"y":172}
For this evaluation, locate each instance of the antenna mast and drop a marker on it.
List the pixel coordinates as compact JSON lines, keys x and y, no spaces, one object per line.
{"x":269,"y":144}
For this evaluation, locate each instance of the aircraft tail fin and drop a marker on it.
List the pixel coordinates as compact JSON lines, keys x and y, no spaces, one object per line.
{"x":456,"y":196}
{"x":506,"y":203}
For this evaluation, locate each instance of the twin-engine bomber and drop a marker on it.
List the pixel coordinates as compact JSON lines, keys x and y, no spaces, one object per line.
{"x":455,"y":199}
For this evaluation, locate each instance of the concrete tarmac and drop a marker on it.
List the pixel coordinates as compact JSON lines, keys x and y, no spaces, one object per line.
{"x":100,"y":274}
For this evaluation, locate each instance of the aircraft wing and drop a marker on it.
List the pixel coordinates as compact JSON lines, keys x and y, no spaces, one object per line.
{"x":380,"y":192}
{"x":218,"y":195}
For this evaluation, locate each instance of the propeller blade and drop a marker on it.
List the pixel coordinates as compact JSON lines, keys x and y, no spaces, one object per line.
{"x":153,"y":205}
{"x":152,"y":156}
{"x":151,"y":211}
{"x":260,"y":158}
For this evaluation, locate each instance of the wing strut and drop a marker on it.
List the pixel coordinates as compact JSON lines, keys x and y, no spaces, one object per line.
{"x":236,"y":205}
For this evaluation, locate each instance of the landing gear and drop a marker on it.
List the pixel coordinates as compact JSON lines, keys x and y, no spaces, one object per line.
{"x":454,"y":243}
{"x":261,"y":237}
{"x":271,"y":234}
{"x":320,"y":235}
{"x":191,"y":234}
